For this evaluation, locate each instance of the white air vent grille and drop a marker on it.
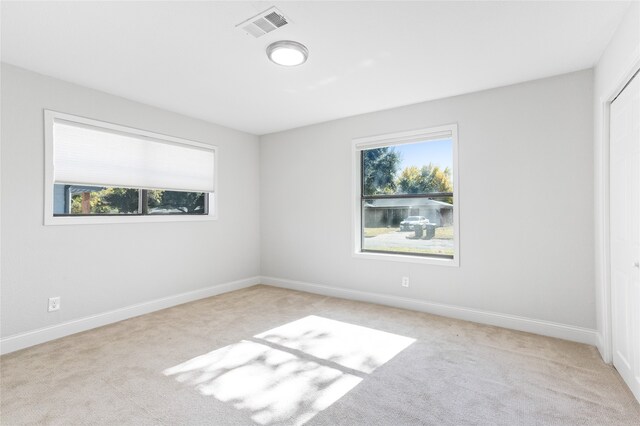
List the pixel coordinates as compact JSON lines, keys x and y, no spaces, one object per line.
{"x":263,"y":23}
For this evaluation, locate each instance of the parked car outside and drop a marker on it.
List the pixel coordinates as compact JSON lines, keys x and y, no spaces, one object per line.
{"x":411,"y":221}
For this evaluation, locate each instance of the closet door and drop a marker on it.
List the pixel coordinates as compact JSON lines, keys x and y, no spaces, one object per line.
{"x":625,"y":233}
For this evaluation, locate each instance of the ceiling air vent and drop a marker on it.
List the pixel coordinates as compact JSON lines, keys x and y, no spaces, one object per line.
{"x":265,"y":22}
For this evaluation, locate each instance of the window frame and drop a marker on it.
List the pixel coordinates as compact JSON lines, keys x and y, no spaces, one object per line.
{"x":358,"y":145}
{"x":49,"y":173}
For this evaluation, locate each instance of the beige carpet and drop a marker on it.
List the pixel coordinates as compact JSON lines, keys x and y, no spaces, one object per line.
{"x":270,"y":356}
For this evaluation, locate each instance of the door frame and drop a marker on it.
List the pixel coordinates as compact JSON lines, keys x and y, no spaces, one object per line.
{"x":603,"y":226}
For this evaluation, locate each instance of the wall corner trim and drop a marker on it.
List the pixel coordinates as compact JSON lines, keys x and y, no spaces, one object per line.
{"x":601,"y":347}
{"x":34,"y":337}
{"x":530,"y":325}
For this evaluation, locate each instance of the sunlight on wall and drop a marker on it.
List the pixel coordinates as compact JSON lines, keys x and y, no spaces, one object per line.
{"x":290,"y":373}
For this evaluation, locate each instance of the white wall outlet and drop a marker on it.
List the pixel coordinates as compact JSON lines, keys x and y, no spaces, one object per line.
{"x":405,"y":281}
{"x":54,"y":303}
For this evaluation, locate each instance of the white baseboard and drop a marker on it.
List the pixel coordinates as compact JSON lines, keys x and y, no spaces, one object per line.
{"x":530,"y":325}
{"x":545,"y":328}
{"x":30,"y":338}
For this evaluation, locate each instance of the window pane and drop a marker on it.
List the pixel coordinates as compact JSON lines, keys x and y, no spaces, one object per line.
{"x":419,"y":226}
{"x":88,"y":200}
{"x":414,"y":168}
{"x":176,"y":202}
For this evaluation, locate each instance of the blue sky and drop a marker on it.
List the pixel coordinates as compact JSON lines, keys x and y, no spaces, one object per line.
{"x":422,"y":153}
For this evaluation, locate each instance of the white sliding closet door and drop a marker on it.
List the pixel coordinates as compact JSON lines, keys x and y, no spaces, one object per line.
{"x":625,"y":233}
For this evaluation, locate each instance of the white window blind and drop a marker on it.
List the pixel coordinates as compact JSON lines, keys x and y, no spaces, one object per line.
{"x":90,"y":155}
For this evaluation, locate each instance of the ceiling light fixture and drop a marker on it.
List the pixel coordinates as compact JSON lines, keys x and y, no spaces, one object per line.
{"x":287,"y":53}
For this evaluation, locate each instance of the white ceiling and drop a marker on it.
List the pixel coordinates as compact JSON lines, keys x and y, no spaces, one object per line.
{"x":188,"y":57}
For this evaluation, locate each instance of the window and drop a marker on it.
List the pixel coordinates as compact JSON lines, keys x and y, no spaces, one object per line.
{"x":99,"y":172}
{"x":83,"y":200}
{"x":405,"y":196}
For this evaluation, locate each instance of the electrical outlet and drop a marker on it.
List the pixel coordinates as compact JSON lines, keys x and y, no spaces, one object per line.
{"x":405,"y":281}
{"x":54,"y":303}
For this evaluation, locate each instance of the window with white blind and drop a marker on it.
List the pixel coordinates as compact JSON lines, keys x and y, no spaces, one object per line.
{"x":97,"y":172}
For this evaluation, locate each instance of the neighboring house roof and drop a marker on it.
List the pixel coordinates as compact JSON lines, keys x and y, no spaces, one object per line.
{"x":387,"y":203}
{"x":75,"y":189}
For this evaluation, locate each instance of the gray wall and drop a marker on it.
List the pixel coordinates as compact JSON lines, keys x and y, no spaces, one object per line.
{"x":526,"y":202}
{"x":96,"y":268}
{"x":526,"y":206}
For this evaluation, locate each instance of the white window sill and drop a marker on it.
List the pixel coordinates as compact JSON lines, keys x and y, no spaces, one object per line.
{"x":425,"y":260}
{"x":99,"y":220}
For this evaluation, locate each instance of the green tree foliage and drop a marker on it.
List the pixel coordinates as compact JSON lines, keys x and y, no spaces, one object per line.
{"x":123,"y":200}
{"x":108,"y":200}
{"x":380,"y":166}
{"x":437,"y":179}
{"x":410,"y":181}
{"x":429,"y":178}
{"x":188,"y":202}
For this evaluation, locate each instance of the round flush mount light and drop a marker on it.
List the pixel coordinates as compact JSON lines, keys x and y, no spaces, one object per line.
{"x":287,"y":53}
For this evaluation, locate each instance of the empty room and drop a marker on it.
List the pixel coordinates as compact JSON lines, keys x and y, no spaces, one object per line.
{"x":320,"y":213}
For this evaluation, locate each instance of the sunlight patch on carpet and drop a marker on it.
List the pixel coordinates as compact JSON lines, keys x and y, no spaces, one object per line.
{"x":289,"y":374}
{"x":352,"y":346}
